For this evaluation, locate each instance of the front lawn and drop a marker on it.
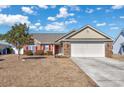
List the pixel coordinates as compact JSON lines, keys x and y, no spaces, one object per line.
{"x":41,"y":72}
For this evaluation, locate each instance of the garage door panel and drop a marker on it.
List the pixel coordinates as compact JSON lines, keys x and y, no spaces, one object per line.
{"x":87,"y":49}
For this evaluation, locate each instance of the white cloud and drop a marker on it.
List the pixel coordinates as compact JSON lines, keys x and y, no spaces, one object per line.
{"x":98,"y":8}
{"x":55,"y":26}
{"x":37,"y":24}
{"x":89,"y":10}
{"x":43,"y":6}
{"x":114,"y":28}
{"x":4,"y":6}
{"x":27,"y":10}
{"x":101,"y":24}
{"x":64,"y":13}
{"x":71,"y":21}
{"x":122,"y":17}
{"x":117,"y":6}
{"x":94,"y":21}
{"x":50,"y":18}
{"x":36,"y":27}
{"x":12,"y":19}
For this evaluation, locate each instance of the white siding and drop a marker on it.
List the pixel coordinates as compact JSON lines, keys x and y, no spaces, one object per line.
{"x":16,"y":50}
{"x":117,"y":44}
{"x":88,"y":33}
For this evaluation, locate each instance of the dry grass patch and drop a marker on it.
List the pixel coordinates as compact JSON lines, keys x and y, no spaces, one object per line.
{"x":38,"y":71}
{"x":118,"y":57}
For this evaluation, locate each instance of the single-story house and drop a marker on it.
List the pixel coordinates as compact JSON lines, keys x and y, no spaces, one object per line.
{"x":118,"y":44}
{"x":85,"y":42}
{"x":44,"y":42}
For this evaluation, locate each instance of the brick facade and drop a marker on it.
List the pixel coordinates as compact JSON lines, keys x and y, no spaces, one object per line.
{"x":36,"y":48}
{"x":108,"y":49}
{"x":67,"y":48}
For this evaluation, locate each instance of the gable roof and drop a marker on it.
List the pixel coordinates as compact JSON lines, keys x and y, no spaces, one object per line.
{"x":47,"y":38}
{"x":67,"y":36}
{"x":94,"y":29}
{"x":121,"y":33}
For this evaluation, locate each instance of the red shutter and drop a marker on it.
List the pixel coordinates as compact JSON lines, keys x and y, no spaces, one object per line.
{"x":36,"y":48}
{"x":26,"y":48}
{"x":49,"y":47}
{"x":42,"y":47}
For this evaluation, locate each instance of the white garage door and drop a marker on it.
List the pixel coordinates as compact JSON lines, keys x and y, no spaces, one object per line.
{"x":87,"y":49}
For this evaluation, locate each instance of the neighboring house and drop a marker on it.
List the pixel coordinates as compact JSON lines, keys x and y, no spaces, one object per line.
{"x":5,"y":48}
{"x":118,"y":44}
{"x":86,"y":42}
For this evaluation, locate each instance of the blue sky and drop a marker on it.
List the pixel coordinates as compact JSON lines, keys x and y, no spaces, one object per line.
{"x":61,"y":19}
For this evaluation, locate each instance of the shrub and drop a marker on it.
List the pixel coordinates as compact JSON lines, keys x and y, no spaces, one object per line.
{"x":49,"y":52}
{"x":39,"y":52}
{"x":9,"y":50}
{"x":29,"y":52}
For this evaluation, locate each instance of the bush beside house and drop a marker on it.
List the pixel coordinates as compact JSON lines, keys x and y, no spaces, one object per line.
{"x":39,"y":52}
{"x":49,"y":53}
{"x":29,"y":52}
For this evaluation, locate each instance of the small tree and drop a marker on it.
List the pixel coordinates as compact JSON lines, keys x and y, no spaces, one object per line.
{"x":18,"y":36}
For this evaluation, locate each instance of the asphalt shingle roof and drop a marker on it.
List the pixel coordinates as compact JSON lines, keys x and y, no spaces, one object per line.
{"x":47,"y":37}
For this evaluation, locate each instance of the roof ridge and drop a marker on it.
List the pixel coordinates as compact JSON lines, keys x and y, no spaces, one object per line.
{"x":48,"y":33}
{"x":66,"y":35}
{"x":92,"y":27}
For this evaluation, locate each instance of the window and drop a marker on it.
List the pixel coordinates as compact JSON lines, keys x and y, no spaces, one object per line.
{"x":123,"y":48}
{"x":30,"y":47}
{"x":46,"y":47}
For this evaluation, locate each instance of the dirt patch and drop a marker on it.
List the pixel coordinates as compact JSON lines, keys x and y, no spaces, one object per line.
{"x":42,"y":72}
{"x":118,"y":57}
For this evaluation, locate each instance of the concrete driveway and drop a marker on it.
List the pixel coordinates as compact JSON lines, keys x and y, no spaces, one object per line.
{"x":105,"y":72}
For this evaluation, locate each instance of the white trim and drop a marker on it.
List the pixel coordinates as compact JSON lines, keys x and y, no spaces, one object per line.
{"x":117,"y":37}
{"x":85,"y":40}
{"x":66,"y":35}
